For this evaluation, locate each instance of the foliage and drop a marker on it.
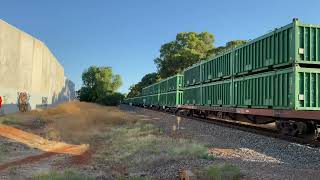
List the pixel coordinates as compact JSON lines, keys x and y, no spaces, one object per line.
{"x":228,"y":172}
{"x":148,"y":79}
{"x":188,"y":48}
{"x":229,"y":45}
{"x":99,"y":85}
{"x":67,"y":175}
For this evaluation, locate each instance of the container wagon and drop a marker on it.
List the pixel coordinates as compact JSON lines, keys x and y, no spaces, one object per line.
{"x":273,"y":78}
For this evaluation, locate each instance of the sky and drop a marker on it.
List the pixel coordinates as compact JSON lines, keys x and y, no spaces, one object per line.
{"x":127,"y":35}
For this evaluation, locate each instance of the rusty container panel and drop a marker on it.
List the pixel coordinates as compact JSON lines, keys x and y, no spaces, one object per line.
{"x":218,"y":93}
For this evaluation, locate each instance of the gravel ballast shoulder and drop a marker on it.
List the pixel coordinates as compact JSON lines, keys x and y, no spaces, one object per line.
{"x":258,"y":157}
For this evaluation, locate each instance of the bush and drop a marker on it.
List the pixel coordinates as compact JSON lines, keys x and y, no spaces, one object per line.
{"x":112,"y":99}
{"x":67,"y":175}
{"x":225,"y":172}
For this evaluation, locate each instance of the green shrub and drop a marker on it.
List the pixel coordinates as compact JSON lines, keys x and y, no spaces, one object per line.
{"x":66,"y":175}
{"x":225,"y":172}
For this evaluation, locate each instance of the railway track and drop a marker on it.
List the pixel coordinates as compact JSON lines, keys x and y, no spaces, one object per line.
{"x":248,"y":127}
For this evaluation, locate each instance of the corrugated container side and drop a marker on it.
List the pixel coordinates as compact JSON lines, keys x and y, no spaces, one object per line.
{"x":164,"y":86}
{"x":217,"y":68}
{"x":175,"y":83}
{"x":192,"y":95}
{"x":218,"y":93}
{"x":174,"y":98}
{"x":163,"y":99}
{"x":307,"y":43}
{"x":274,"y":48}
{"x":192,"y":75}
{"x":254,"y":91}
{"x":155,"y":100}
{"x":307,"y":89}
{"x":156,"y":88}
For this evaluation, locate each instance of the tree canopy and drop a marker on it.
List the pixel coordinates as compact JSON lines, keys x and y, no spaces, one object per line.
{"x":188,"y":48}
{"x":100,"y":85}
{"x":148,"y":79}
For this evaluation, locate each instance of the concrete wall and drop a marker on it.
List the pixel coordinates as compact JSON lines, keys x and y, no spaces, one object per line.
{"x":27,"y":65}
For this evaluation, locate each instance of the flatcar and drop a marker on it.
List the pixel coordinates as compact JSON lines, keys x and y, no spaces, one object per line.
{"x":273,"y":78}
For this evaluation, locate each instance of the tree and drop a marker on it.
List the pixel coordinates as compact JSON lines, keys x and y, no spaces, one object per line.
{"x":188,"y":48}
{"x":148,"y":79}
{"x":98,"y":84}
{"x":235,"y":43}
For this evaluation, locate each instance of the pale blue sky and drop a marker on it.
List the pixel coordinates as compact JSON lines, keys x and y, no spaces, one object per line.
{"x":127,"y":34}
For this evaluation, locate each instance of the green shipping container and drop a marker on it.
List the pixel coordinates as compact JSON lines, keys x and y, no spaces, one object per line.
{"x":217,"y":68}
{"x":174,"y":98}
{"x":192,"y":75}
{"x":156,"y":88}
{"x":164,"y":86}
{"x":154,"y":100}
{"x":192,"y":95}
{"x":163,"y":99}
{"x":292,"y":88}
{"x":175,"y":82}
{"x":293,"y":43}
{"x":218,"y":93}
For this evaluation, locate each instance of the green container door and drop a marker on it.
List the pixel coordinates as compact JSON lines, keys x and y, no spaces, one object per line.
{"x":174,"y":98}
{"x":192,"y":95}
{"x":217,"y":68}
{"x":192,"y":75}
{"x":175,"y":83}
{"x":218,"y":93}
{"x":308,"y":43}
{"x":307,"y":89}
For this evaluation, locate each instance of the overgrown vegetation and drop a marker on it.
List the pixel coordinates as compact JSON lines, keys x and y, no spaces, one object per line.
{"x":141,"y":144}
{"x":100,"y":86}
{"x":66,"y":175}
{"x":225,"y":172}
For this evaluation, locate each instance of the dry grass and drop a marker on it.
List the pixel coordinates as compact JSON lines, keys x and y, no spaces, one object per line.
{"x":143,"y":145}
{"x":66,"y":175}
{"x":219,"y":172}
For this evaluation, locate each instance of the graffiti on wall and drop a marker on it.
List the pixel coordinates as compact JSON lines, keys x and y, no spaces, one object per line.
{"x":45,"y":102}
{"x":23,"y":101}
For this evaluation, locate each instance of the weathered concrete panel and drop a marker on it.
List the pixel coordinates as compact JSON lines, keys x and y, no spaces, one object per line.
{"x":10,"y":56}
{"x":27,"y":65}
{"x":26,"y":61}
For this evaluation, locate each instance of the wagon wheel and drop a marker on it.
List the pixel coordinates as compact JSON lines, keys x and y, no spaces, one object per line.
{"x":220,"y":115}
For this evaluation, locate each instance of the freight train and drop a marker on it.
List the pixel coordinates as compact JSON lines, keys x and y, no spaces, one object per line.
{"x":273,"y":78}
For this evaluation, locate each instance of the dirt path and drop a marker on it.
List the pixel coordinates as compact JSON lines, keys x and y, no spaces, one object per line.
{"x":50,"y":148}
